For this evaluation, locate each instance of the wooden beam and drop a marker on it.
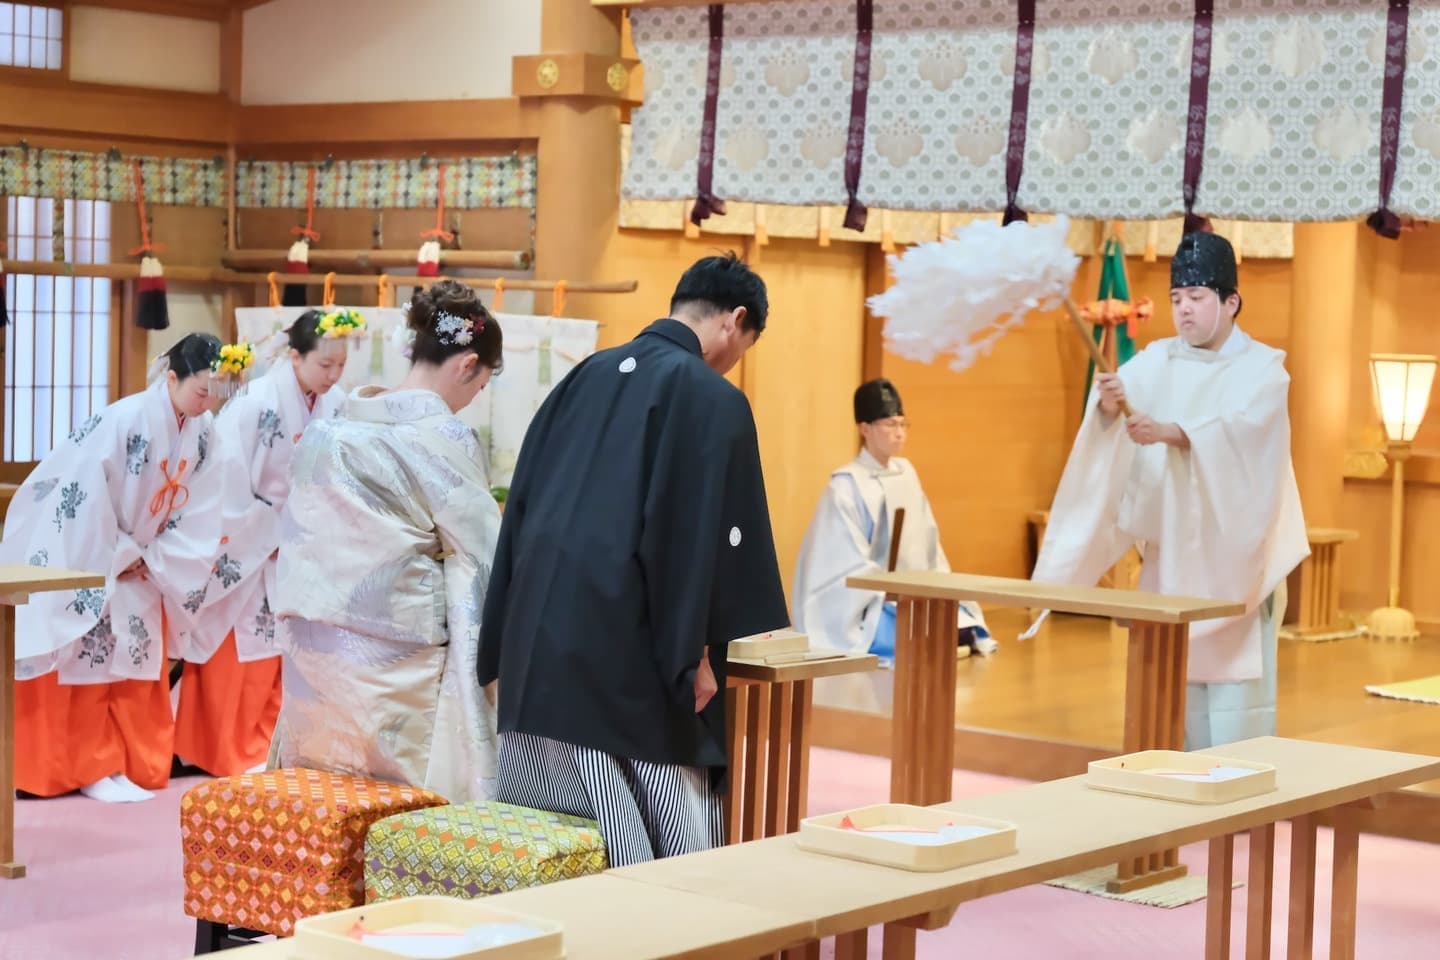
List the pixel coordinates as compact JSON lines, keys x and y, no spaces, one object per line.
{"x":232,"y":50}
{"x":501,"y":118}
{"x":366,"y":259}
{"x":94,"y":110}
{"x":189,"y":9}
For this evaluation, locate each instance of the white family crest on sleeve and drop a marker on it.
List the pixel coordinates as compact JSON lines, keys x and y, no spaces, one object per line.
{"x":627,"y":365}
{"x":734,"y":536}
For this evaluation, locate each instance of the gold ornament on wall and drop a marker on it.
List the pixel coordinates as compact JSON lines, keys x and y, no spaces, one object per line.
{"x":547,"y":74}
{"x":617,"y":77}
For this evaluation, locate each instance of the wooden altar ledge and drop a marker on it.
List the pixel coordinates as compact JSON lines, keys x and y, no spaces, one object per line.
{"x":767,"y":718}
{"x":16,"y":585}
{"x":923,"y":726}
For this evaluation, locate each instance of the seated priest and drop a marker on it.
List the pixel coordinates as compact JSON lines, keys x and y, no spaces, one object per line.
{"x":850,"y":535}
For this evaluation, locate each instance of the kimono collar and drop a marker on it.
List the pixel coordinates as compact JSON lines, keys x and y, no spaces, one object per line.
{"x":1234,"y":345}
{"x":163,"y":418}
{"x":378,"y":405}
{"x":870,"y":465}
{"x":676,"y":332}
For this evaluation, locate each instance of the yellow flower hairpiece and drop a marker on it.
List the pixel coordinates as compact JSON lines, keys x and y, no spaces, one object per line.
{"x":341,"y":323}
{"x":234,"y":359}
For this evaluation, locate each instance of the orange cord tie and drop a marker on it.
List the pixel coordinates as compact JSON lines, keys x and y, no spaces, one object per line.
{"x":308,"y":231}
{"x":329,"y":298}
{"x":274,"y":289}
{"x":173,"y":495}
{"x":382,"y":290}
{"x":498,"y":304}
{"x":146,"y":247}
{"x":558,"y":306}
{"x":439,"y":232}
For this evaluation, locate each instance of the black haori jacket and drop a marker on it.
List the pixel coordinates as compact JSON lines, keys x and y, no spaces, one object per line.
{"x":636,"y":533}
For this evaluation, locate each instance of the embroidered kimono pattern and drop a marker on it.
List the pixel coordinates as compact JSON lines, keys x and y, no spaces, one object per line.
{"x":105,"y":500}
{"x":386,"y":545}
{"x":258,"y":431}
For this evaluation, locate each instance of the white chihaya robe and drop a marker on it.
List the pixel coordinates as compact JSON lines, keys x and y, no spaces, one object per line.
{"x":129,"y":484}
{"x":258,"y":431}
{"x":1221,"y":520}
{"x":387,"y":541}
{"x":850,"y":536}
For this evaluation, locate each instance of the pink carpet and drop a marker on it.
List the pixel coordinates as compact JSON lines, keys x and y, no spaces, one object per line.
{"x":105,"y":884}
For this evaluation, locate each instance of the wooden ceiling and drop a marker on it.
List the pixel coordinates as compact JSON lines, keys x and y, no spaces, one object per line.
{"x":195,"y":9}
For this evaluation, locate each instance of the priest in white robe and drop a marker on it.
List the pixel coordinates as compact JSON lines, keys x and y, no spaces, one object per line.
{"x":1199,"y":475}
{"x":850,"y":536}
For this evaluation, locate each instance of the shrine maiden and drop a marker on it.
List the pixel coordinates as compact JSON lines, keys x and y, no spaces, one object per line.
{"x":134,"y":493}
{"x":386,"y":542}
{"x":636,"y":546}
{"x":1201,"y":477}
{"x":230,"y":692}
{"x":850,"y":535}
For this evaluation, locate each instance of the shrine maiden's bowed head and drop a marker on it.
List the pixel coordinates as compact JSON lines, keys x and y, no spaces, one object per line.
{"x":877,"y":400}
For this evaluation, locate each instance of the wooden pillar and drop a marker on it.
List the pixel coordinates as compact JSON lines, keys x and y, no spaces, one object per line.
{"x":1320,"y":358}
{"x":577,"y":84}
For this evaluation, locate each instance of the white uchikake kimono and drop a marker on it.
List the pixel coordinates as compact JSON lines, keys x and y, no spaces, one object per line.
{"x":131,"y":483}
{"x":258,"y":432}
{"x":387,"y":541}
{"x":850,"y":536}
{"x":1221,"y":520}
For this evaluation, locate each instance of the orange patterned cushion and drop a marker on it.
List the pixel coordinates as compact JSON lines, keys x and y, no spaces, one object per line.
{"x":264,"y":850}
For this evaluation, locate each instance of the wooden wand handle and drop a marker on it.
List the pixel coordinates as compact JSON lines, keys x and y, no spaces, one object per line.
{"x":1101,"y":363}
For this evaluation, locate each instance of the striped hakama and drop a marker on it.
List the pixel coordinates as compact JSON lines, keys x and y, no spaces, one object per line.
{"x":645,"y":810}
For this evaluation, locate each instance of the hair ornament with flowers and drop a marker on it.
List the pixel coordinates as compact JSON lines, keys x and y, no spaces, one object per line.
{"x":234,"y":360}
{"x":341,"y":323}
{"x":452,"y":329}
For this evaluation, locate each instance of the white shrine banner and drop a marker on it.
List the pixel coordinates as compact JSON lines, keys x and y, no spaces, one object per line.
{"x":539,"y":352}
{"x":1294,"y":114}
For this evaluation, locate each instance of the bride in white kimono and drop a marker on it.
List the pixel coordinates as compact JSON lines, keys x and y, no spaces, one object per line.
{"x":134,"y":494}
{"x":387,"y":541}
{"x":230,"y":692}
{"x":850,"y":535}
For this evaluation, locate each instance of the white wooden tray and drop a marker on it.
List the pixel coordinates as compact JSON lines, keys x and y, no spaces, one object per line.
{"x":768,"y":644}
{"x":435,"y":927}
{"x":904,"y":836}
{"x":1186,"y":777}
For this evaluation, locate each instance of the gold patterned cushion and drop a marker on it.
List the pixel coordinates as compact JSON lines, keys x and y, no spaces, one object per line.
{"x":476,"y":849}
{"x":264,"y":850}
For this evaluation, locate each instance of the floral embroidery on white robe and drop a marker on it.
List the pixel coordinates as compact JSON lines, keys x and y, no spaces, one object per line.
{"x":387,"y":542}
{"x":130,"y":484}
{"x":258,"y":431}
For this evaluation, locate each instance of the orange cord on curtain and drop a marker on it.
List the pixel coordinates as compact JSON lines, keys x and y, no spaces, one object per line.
{"x":439,"y":233}
{"x":497,"y":305}
{"x":557,"y":308}
{"x":274,"y":289}
{"x":382,"y":290}
{"x":328,"y":300}
{"x":146,"y":247}
{"x":308,"y":231}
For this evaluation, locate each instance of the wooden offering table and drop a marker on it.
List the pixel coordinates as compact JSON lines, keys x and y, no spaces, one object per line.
{"x":923,"y":728}
{"x":767,"y":710}
{"x":16,"y":585}
{"x":1065,"y":826}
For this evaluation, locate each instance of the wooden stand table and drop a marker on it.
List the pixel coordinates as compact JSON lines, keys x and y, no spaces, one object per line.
{"x":1064,"y":827}
{"x":923,"y":728}
{"x":767,"y":710}
{"x":16,"y":585}
{"x":1317,"y":605}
